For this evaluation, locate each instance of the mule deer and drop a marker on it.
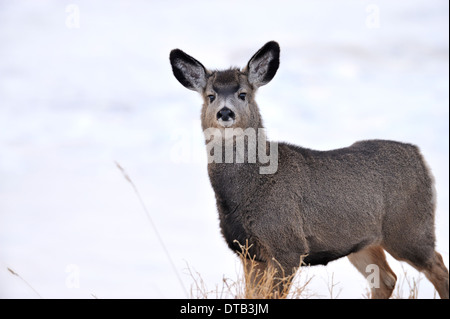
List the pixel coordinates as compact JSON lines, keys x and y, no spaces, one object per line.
{"x":359,"y":201}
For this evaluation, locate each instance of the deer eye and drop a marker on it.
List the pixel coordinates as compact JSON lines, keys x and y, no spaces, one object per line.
{"x":211,"y":98}
{"x":242,"y":96}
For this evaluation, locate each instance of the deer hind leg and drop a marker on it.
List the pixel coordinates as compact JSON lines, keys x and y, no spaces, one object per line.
{"x":371,"y":263}
{"x":434,"y":269}
{"x":437,"y":273}
{"x":424,"y":258}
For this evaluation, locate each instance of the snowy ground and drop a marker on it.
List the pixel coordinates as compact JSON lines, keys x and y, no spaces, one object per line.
{"x":86,"y":83}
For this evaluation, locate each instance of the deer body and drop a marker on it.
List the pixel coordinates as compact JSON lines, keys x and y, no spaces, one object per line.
{"x":335,"y":202}
{"x":356,"y":201}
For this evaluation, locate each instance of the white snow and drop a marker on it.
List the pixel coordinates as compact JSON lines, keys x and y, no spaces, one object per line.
{"x":87,"y":83}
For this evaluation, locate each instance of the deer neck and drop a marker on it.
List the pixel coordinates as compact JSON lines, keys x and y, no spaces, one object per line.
{"x":237,"y":164}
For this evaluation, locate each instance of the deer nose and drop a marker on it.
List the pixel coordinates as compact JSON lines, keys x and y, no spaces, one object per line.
{"x":225,"y":114}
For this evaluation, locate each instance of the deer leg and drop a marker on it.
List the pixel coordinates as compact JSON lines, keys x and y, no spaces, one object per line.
{"x":437,"y":273}
{"x":371,"y":263}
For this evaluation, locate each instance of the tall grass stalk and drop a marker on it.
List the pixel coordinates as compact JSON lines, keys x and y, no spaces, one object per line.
{"x":154,"y":228}
{"x":26,"y":282}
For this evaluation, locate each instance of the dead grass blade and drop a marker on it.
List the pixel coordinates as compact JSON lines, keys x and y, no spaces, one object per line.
{"x":26,"y":282}
{"x":152,"y":224}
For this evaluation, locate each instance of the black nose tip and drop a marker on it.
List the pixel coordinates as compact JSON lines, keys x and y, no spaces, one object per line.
{"x":225,"y":114}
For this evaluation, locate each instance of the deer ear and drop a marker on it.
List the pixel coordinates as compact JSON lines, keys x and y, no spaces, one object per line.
{"x":264,"y":64}
{"x":188,"y":71}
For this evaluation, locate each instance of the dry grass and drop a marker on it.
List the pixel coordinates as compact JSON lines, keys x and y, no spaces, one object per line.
{"x":407,"y":286}
{"x":252,"y":283}
{"x":23,"y":280}
{"x":153,"y":225}
{"x":269,"y":283}
{"x":332,"y":287}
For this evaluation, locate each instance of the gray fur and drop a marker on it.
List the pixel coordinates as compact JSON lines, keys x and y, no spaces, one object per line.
{"x":322,"y":204}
